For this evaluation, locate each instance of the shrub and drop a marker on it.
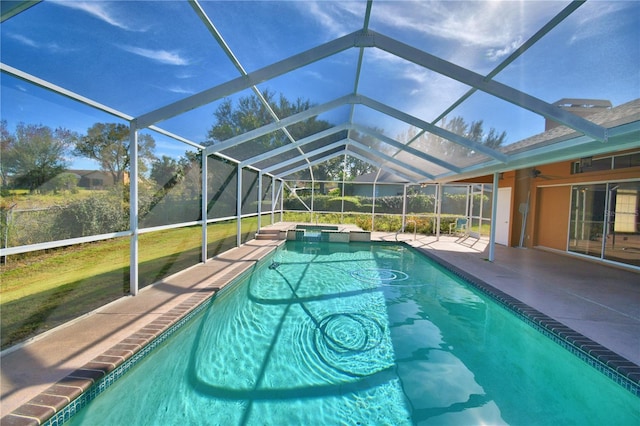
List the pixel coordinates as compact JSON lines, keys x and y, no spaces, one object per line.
{"x":61,"y":182}
{"x":364,"y":222}
{"x":389,"y":204}
{"x":388,"y":223}
{"x":420,"y":203}
{"x":98,"y":214}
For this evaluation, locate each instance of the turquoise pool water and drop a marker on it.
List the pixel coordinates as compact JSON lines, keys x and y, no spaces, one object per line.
{"x":358,"y":334}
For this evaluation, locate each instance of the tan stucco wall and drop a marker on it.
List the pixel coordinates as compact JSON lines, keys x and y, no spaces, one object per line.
{"x":552,"y":217}
{"x":549,"y":197}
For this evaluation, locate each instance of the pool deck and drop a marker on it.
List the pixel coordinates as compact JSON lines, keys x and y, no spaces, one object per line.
{"x":599,"y":301}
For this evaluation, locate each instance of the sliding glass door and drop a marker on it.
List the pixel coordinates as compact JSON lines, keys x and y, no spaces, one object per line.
{"x":623,"y":237}
{"x":588,"y":204}
{"x":604,"y":221}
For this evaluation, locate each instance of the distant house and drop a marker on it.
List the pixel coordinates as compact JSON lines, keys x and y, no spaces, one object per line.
{"x":393,"y":185}
{"x":94,"y":179}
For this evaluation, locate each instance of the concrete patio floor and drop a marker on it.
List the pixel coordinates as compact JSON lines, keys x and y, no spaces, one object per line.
{"x":599,"y":301}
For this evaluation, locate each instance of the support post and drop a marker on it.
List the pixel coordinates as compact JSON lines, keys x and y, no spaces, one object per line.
{"x":273,"y":200}
{"x":342,"y":194}
{"x":494,"y":215}
{"x":481,"y":209}
{"x":259,"y":200}
{"x":404,"y":206}
{"x":281,"y":194}
{"x":373,"y":207}
{"x":205,"y":200}
{"x":239,"y":208}
{"x":313,"y":191}
{"x":438,"y":209}
{"x":133,"y":208}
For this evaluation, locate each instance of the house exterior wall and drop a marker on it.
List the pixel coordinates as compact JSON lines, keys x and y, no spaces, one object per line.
{"x":552,"y":216}
{"x":545,"y":201}
{"x":547,"y":191}
{"x":97,"y":179}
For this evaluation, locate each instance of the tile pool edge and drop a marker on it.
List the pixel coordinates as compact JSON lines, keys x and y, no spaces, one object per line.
{"x":619,"y":369}
{"x":58,"y":403}
{"x":48,"y":408}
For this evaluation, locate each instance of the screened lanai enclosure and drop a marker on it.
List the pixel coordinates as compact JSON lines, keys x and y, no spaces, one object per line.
{"x":144,"y":137}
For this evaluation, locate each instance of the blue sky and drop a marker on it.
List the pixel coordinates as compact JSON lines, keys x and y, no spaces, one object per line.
{"x":136,"y":56}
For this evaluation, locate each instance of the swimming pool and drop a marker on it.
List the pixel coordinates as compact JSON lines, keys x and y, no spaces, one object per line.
{"x":357,"y":333}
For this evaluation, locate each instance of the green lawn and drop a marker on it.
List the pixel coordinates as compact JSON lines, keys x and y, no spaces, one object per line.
{"x":26,"y":200}
{"x":43,"y":290}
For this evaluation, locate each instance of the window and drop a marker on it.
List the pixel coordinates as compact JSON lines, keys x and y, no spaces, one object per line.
{"x":588,"y":164}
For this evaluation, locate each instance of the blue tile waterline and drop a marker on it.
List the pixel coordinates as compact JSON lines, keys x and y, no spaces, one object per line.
{"x":547,"y":326}
{"x":65,"y":414}
{"x":617,"y":368}
{"x":103,"y":384}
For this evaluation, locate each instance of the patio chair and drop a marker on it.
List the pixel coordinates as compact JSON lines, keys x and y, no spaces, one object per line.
{"x":459,"y":227}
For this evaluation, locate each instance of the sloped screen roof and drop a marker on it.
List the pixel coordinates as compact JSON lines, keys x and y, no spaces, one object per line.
{"x":397,"y":84}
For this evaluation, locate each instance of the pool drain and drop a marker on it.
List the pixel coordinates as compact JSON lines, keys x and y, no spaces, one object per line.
{"x":349,"y":343}
{"x":379,"y":275}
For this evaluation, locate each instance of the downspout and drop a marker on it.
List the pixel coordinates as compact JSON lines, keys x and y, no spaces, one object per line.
{"x":133,"y":208}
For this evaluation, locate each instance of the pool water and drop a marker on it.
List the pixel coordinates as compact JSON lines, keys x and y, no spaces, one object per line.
{"x":358,"y":334}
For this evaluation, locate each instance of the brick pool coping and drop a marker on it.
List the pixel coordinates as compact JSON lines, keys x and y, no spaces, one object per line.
{"x":621,"y":370}
{"x":59,"y":402}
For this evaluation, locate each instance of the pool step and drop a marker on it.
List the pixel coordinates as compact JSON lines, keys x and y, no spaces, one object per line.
{"x":270,"y":234}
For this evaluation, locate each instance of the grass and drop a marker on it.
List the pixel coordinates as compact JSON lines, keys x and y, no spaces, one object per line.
{"x":25,"y":200}
{"x":39,"y":291}
{"x":42,"y":290}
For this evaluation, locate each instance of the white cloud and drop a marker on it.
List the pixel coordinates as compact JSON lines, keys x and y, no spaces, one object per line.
{"x":490,"y":30}
{"x":184,"y":75}
{"x":315,"y":75}
{"x":98,"y":10}
{"x":495,"y":55}
{"x":52,"y":47}
{"x":337,"y":18}
{"x":161,"y":56}
{"x":179,"y":90}
{"x":593,"y":20}
{"x":24,"y":40}
{"x":484,"y":24}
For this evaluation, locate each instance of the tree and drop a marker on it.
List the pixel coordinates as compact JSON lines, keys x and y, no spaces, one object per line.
{"x":94,"y":215}
{"x":451,"y":151}
{"x":62,"y":182}
{"x":166,"y":172}
{"x":250,"y":113}
{"x":35,"y":155}
{"x":7,"y":140}
{"x":108,"y":144}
